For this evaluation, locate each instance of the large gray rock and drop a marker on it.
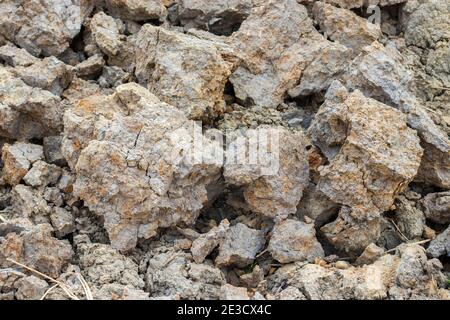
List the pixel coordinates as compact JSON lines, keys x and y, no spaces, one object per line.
{"x":31,"y":288}
{"x":49,"y":74}
{"x":426,"y":23}
{"x":43,"y":27}
{"x":373,"y":155}
{"x":345,"y":27}
{"x":15,"y":56}
{"x":409,"y":219}
{"x":103,"y":265}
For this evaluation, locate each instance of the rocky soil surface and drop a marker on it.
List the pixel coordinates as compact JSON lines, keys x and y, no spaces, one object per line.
{"x":102,"y":107}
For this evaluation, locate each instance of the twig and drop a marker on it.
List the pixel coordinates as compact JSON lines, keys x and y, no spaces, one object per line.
{"x":418,"y":242}
{"x":3,"y":219}
{"x":48,"y":291}
{"x":62,"y":285}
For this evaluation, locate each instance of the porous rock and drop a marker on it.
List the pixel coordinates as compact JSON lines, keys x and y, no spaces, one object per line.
{"x":36,"y":248}
{"x":285,"y":53}
{"x":240,"y":247}
{"x":133,"y":156}
{"x":205,"y":243}
{"x":43,"y":27}
{"x":184,"y":70}
{"x":17,"y":160}
{"x":175,"y":274}
{"x":273,"y":182}
{"x":436,"y":207}
{"x":370,"y":162}
{"x":27,"y":112}
{"x":294,"y":241}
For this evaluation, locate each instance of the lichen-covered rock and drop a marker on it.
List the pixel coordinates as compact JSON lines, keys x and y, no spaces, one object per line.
{"x":17,"y":160}
{"x":27,"y":112}
{"x":373,"y":156}
{"x":36,"y":248}
{"x":436,"y":207}
{"x":273,"y":182}
{"x":185,"y":71}
{"x":206,"y":243}
{"x":133,"y":156}
{"x":294,"y":241}
{"x":286,"y":51}
{"x":240,"y":247}
{"x":44,"y":27}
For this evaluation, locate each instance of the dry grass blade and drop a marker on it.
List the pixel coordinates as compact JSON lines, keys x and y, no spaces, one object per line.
{"x":261,"y":253}
{"x":2,"y":219}
{"x":418,"y":242}
{"x":62,"y":285}
{"x":48,"y":291}
{"x":399,"y":231}
{"x":87,"y":290}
